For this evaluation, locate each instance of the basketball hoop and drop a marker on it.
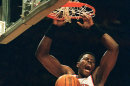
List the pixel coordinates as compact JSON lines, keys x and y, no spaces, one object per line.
{"x":72,"y":10}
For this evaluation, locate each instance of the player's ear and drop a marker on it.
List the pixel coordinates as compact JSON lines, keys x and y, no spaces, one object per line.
{"x":77,"y":65}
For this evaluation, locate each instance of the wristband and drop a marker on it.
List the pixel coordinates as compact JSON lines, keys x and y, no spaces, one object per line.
{"x":97,"y":31}
{"x":51,"y":31}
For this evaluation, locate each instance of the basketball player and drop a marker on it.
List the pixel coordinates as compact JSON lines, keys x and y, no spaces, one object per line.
{"x":88,"y":75}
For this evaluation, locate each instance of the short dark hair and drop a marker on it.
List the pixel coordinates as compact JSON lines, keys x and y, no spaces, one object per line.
{"x":86,"y":53}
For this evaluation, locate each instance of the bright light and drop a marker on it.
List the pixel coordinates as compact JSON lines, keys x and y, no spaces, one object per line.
{"x":2,"y":27}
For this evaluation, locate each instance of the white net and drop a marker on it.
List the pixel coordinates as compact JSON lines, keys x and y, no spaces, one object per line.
{"x":68,"y":13}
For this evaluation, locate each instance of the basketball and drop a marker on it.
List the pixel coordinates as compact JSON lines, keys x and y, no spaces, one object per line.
{"x":67,"y":80}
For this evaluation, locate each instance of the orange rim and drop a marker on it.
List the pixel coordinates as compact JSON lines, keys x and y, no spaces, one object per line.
{"x":72,"y":4}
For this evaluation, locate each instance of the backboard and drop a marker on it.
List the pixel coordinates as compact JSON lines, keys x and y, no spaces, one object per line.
{"x":32,"y":12}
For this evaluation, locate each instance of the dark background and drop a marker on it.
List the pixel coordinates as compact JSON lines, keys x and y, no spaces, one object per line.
{"x":19,"y":66}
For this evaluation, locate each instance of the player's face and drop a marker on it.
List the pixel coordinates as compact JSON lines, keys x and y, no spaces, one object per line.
{"x":86,"y":65}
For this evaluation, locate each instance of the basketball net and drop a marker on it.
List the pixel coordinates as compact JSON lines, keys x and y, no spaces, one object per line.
{"x":73,"y":9}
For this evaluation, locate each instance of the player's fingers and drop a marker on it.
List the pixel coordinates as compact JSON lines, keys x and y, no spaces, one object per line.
{"x":90,"y":19}
{"x":85,"y":18}
{"x":54,"y":21}
{"x":80,"y":24}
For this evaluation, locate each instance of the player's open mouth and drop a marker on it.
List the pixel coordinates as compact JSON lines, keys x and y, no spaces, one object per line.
{"x":88,"y":68}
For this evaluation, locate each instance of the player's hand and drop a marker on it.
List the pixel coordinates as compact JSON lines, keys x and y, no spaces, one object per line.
{"x":59,"y":22}
{"x":87,"y":22}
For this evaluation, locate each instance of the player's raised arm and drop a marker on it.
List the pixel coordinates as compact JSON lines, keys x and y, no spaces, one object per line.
{"x":43,"y":53}
{"x":49,"y":61}
{"x":108,"y":60}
